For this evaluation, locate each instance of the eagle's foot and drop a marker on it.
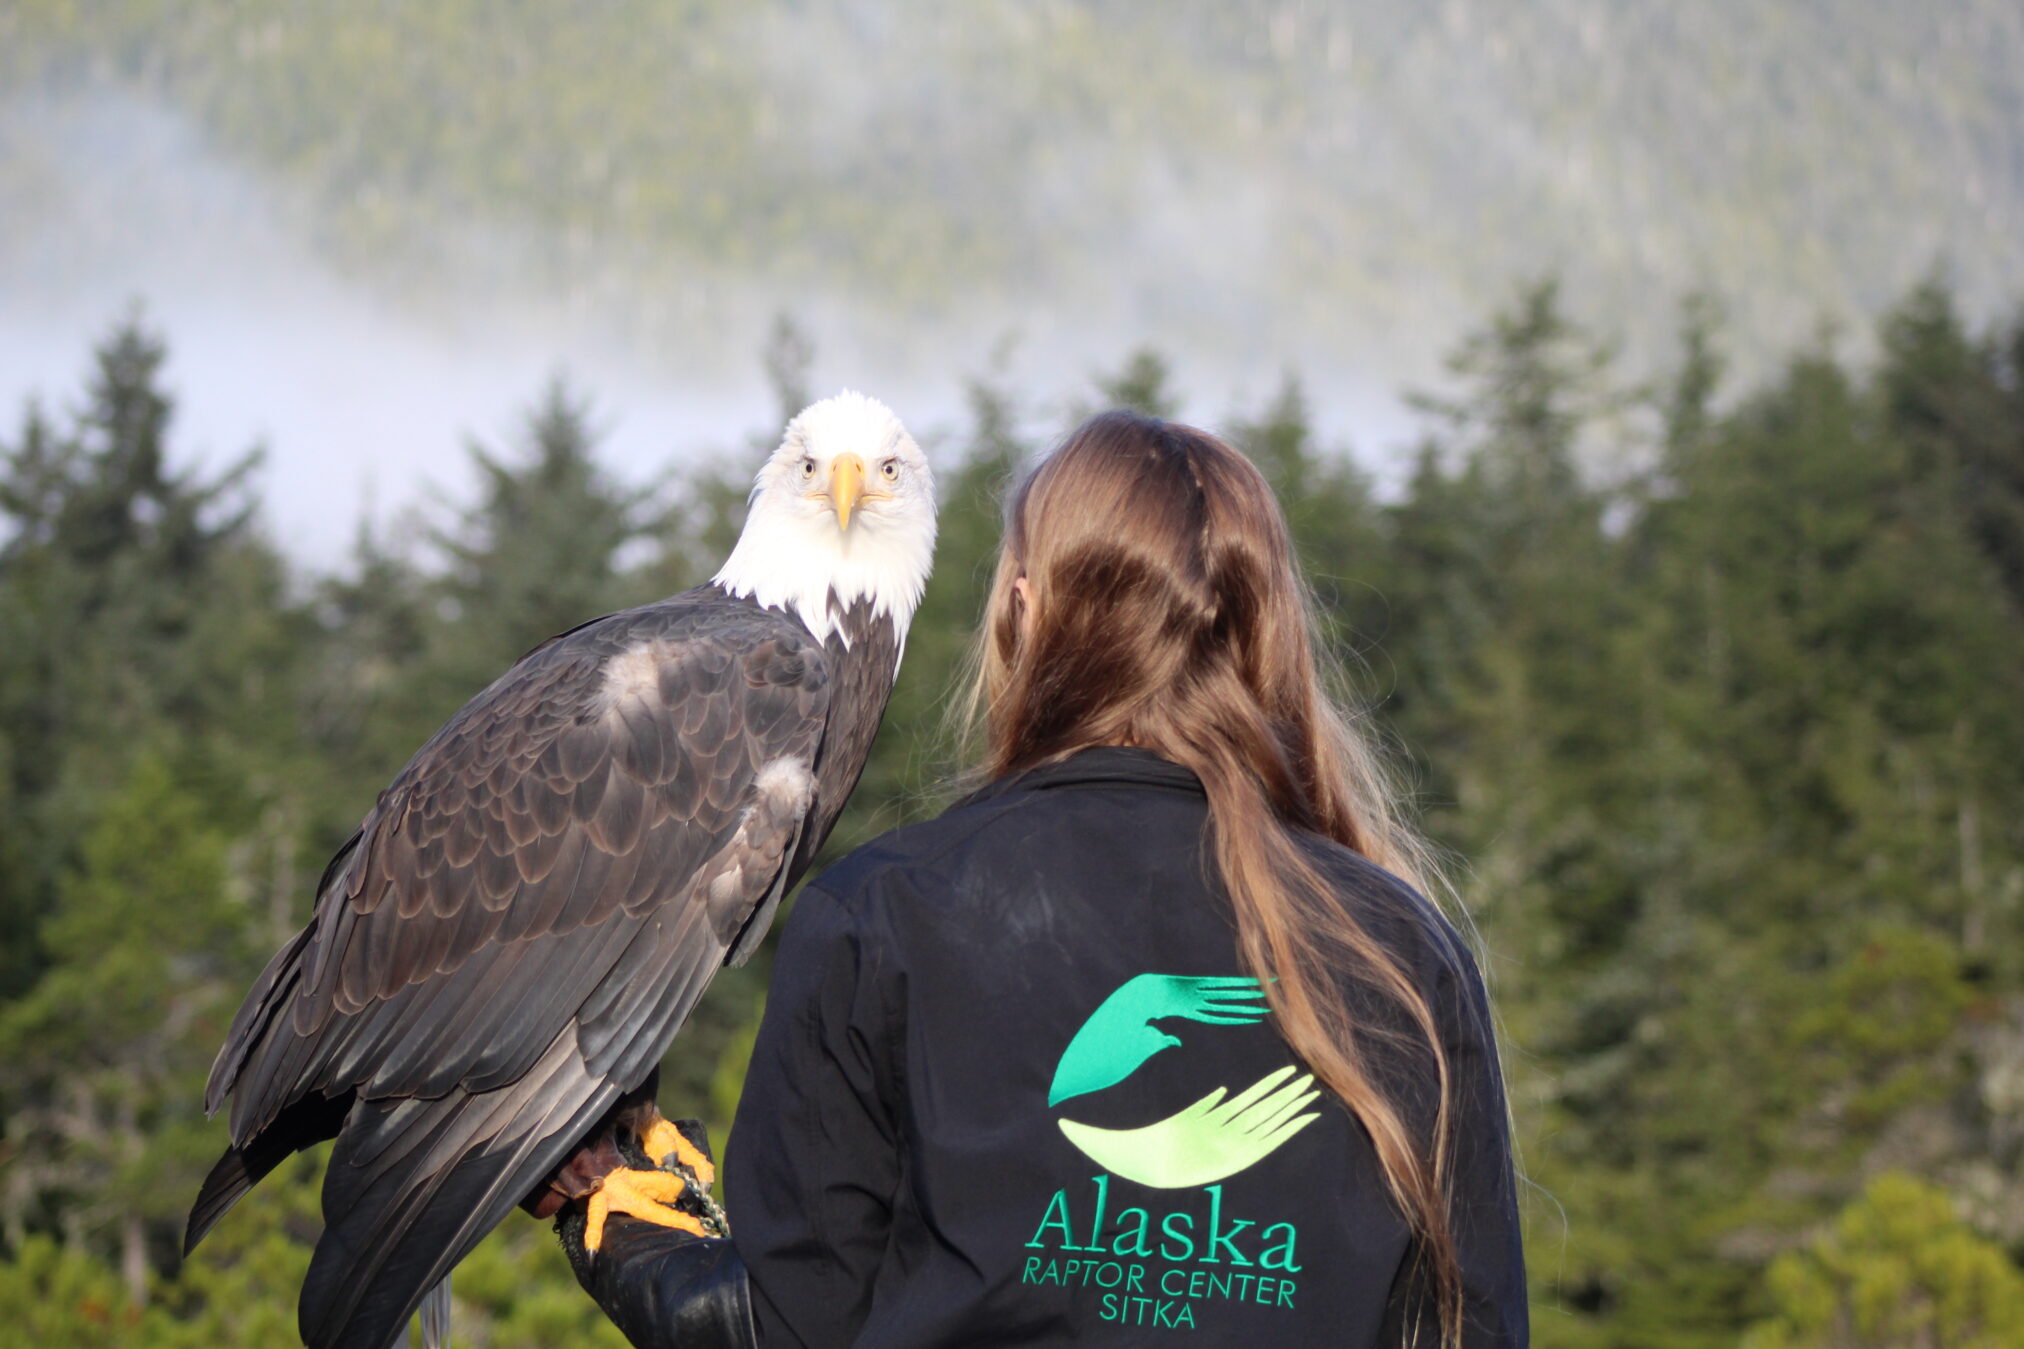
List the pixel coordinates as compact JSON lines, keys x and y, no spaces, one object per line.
{"x":646,"y":1195}
{"x":671,"y":1150}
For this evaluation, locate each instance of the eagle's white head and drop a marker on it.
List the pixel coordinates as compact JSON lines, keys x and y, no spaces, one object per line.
{"x":845,"y":507}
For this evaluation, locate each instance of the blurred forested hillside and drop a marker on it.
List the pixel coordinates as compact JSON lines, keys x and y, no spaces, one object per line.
{"x":1714,"y":686}
{"x":1271,"y":173}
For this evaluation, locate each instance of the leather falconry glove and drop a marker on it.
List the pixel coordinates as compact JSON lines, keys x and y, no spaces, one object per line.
{"x":633,"y":1210}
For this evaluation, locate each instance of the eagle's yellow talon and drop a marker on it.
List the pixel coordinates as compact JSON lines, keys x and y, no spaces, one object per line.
{"x":646,"y":1195}
{"x":663,"y":1141}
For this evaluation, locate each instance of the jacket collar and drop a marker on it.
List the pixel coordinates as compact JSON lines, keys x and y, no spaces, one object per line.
{"x":1099,"y":765}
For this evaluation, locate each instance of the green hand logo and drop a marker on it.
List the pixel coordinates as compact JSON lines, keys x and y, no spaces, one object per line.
{"x":1120,"y":1035}
{"x":1209,"y":1140}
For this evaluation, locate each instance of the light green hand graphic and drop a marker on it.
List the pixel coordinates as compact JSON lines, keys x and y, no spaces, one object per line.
{"x":1119,"y":1035}
{"x":1209,"y":1140}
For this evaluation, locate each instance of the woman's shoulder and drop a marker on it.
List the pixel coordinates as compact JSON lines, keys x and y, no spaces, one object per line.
{"x":1396,"y":912}
{"x":910,"y":858}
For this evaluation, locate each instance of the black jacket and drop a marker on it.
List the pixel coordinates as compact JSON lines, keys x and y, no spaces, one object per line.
{"x":1011,"y":1088}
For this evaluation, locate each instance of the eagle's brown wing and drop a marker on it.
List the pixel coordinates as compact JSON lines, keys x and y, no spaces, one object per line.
{"x":514,"y":935}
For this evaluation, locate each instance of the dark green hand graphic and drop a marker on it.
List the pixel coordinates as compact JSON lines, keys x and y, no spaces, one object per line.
{"x":1120,"y":1035}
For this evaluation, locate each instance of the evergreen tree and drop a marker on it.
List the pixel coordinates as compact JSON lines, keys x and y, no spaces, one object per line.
{"x":789,"y":358}
{"x":539,"y":553}
{"x":1142,"y":383}
{"x":130,"y":596}
{"x":1688,"y":408}
{"x":1336,"y":529}
{"x":106,"y":1054}
{"x":1958,"y":407}
{"x":1507,"y":619}
{"x":1897,"y":1268}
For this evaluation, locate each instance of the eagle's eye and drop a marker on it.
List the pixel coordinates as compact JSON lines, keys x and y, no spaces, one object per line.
{"x":807,"y":467}
{"x":890,"y":470}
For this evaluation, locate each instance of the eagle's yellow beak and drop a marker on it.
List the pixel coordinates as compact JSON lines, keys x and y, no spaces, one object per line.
{"x":846,"y":485}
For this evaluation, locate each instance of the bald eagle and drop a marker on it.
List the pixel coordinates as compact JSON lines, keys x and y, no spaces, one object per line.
{"x":500,"y":955}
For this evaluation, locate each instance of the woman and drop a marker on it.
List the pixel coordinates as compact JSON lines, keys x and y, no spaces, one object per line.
{"x":1154,"y":1031}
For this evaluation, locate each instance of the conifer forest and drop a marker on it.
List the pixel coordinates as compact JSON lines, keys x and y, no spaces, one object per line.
{"x":1696,"y":640}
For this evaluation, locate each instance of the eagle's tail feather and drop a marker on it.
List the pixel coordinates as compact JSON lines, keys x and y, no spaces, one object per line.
{"x":414,"y":1184}
{"x":227,"y":1184}
{"x":435,"y":1325}
{"x":304,"y":1124}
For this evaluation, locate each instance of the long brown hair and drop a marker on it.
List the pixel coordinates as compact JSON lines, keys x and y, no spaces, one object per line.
{"x":1168,"y":613}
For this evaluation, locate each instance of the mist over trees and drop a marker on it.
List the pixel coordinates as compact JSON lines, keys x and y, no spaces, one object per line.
{"x":1340,"y":183}
{"x":1715,"y":694}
